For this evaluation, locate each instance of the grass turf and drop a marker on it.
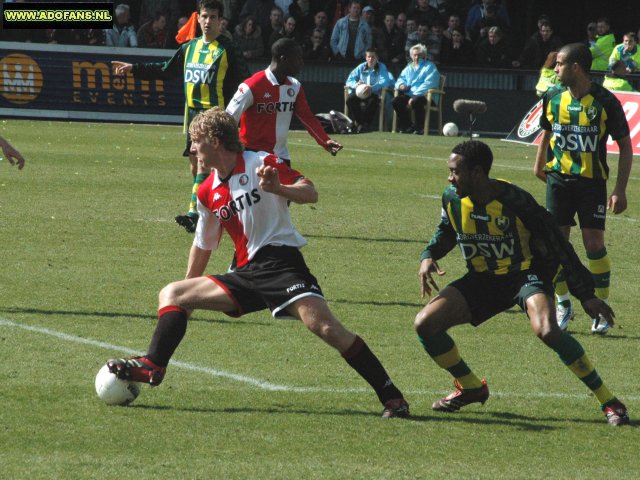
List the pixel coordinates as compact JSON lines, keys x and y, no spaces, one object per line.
{"x":89,"y":240}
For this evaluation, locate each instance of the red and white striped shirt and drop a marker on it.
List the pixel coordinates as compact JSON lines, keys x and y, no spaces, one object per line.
{"x":264,"y":108}
{"x":252,"y":217}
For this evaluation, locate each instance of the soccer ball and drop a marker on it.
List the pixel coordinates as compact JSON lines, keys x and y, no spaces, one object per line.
{"x":450,"y":130}
{"x":362,"y":91}
{"x":114,"y":391}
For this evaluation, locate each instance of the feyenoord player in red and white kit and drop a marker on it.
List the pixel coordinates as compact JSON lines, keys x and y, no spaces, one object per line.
{"x":246,"y":195}
{"x":265,"y":103}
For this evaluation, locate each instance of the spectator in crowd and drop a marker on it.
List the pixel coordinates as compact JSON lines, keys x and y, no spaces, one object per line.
{"x":284,"y":6}
{"x":320,"y":22}
{"x":394,"y":40}
{"x":171,"y":41}
{"x":154,"y":34}
{"x":261,"y":10}
{"x":493,"y":51}
{"x":441,"y":6}
{"x":394,"y":7}
{"x":248,"y":38}
{"x":548,"y":77}
{"x":590,"y":39}
{"x":423,"y":13}
{"x":376,"y":77}
{"x":303,"y":11}
{"x":615,"y":80}
{"x":628,"y":52}
{"x":490,"y":19}
{"x":123,"y":34}
{"x":538,"y":47}
{"x":88,"y":36}
{"x":458,"y":50}
{"x":412,"y":85}
{"x":420,"y":36}
{"x":351,"y":34}
{"x":401,"y":22}
{"x":224,"y":28}
{"x":317,"y":47}
{"x":435,"y":41}
{"x":150,"y":8}
{"x":377,"y":37}
{"x":479,"y":10}
{"x":55,"y":35}
{"x":276,"y":22}
{"x":288,"y":30}
{"x":605,"y":43}
{"x":232,"y":11}
{"x":453,"y":23}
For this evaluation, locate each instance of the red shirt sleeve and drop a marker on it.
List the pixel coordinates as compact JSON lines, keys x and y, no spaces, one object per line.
{"x":288,"y":176}
{"x":308,"y":119}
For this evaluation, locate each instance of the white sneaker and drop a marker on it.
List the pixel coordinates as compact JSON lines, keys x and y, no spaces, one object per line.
{"x":602,"y":328}
{"x":564,"y":315}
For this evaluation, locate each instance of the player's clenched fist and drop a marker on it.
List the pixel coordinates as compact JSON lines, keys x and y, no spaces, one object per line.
{"x":269,"y":179}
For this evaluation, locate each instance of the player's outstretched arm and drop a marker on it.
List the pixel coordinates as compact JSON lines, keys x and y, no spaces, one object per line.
{"x":11,"y":154}
{"x":121,"y":68}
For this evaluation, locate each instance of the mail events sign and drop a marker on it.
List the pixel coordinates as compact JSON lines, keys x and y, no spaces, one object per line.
{"x":79,"y":82}
{"x":20,"y":79}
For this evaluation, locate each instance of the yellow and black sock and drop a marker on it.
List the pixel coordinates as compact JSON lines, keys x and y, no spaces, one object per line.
{"x":572,"y":355}
{"x":442,"y":349}
{"x":600,"y":268}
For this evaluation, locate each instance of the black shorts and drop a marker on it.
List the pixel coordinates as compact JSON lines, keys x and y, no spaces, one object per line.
{"x":488,"y":294}
{"x":568,"y":195}
{"x":275,"y":278}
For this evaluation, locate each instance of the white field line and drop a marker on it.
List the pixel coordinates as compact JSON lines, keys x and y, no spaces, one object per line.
{"x":346,"y":150}
{"x":261,"y":384}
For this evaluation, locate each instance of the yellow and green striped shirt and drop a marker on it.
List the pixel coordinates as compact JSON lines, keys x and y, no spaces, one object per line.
{"x":511,"y":233}
{"x":211,"y":71}
{"x":580,"y":130}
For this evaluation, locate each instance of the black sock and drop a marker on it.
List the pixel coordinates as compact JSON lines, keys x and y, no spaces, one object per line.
{"x":171,"y":327}
{"x":363,"y":361}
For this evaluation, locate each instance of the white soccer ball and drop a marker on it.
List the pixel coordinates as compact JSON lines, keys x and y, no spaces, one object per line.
{"x":114,"y":391}
{"x":362,"y":91}
{"x":450,"y":130}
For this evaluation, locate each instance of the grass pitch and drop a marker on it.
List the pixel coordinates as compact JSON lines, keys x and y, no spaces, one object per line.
{"x":88,"y":237}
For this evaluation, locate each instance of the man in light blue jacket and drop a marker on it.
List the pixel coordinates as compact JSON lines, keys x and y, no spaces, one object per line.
{"x":351,"y":34}
{"x":375,"y":77}
{"x":417,"y":77}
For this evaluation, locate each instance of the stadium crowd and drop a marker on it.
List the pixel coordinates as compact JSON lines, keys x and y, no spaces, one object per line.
{"x":454,"y":32}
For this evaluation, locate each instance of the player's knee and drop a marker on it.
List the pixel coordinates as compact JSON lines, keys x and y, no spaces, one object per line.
{"x":168,"y":295}
{"x":593,"y":245}
{"x":423,"y":325}
{"x":547,"y":331}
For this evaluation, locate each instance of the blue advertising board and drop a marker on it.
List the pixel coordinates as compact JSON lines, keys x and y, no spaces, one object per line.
{"x":78,"y":83}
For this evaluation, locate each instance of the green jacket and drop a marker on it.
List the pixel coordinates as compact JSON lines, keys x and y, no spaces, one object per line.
{"x":601,"y":51}
{"x":617,"y":83}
